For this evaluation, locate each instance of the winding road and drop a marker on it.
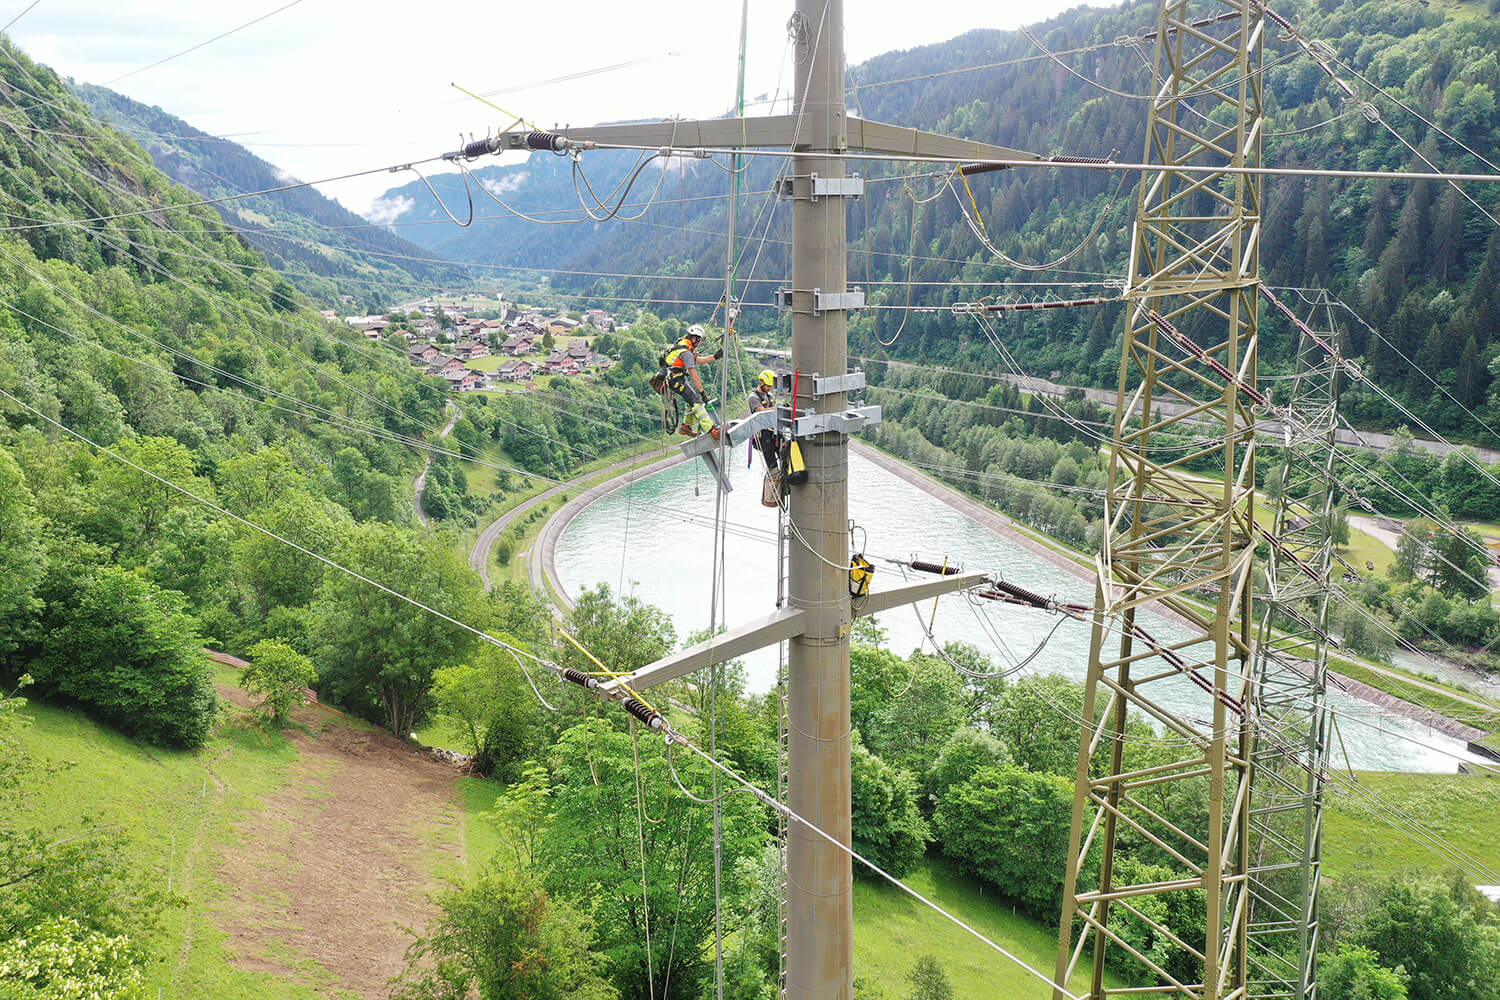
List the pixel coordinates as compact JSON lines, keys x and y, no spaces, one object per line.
{"x":420,"y":483}
{"x":479,"y":555}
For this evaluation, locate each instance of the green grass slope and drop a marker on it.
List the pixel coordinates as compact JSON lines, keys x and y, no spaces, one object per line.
{"x":1365,"y":836}
{"x":892,"y":930}
{"x":197,"y":820}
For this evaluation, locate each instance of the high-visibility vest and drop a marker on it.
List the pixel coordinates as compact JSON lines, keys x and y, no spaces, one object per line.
{"x":673,"y":357}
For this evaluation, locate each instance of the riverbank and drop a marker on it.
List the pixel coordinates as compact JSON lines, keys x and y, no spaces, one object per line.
{"x":1366,"y":685}
{"x":616,"y":472}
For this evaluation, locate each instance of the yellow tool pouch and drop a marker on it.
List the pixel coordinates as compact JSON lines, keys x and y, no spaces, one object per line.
{"x":861,"y":572}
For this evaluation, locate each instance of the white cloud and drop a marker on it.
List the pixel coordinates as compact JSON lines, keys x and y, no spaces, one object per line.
{"x":507,"y":184}
{"x":383,"y":94}
{"x":384,"y":211}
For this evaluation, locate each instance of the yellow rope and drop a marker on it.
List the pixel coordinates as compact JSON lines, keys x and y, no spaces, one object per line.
{"x":933,"y":618}
{"x":972,"y":201}
{"x":518,"y":119}
{"x":604,"y":671}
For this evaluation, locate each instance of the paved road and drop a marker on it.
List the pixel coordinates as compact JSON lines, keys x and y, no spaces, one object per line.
{"x":479,"y":555}
{"x":543,"y":565}
{"x":420,"y":483}
{"x":1364,"y":440}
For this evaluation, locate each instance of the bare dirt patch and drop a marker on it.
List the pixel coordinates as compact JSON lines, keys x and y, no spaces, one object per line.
{"x":329,"y":876}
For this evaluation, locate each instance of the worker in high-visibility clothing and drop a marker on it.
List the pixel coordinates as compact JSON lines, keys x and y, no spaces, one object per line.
{"x":682,"y":378}
{"x":763,"y":397}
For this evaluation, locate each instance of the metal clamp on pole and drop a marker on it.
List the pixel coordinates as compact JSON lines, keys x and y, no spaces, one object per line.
{"x":845,"y":422}
{"x":822,"y":385}
{"x":822,"y":301}
{"x":814,"y":187}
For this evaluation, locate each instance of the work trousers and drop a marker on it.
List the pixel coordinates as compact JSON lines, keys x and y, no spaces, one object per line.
{"x":698,"y":420}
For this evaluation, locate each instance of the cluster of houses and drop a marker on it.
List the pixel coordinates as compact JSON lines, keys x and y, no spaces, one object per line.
{"x":577,"y":357}
{"x":518,"y":335}
{"x":450,"y":367}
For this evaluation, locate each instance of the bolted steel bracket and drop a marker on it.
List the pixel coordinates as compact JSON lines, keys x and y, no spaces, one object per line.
{"x":822,"y":385}
{"x":845,"y":422}
{"x":852,"y":186}
{"x":823,"y":301}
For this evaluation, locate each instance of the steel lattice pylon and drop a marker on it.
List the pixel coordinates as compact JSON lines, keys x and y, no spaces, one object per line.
{"x":1179,"y":541}
{"x":1289,"y":754}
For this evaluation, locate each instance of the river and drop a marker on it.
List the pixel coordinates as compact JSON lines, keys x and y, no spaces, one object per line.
{"x":654,"y":539}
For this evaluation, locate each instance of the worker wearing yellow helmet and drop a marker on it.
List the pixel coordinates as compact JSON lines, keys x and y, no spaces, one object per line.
{"x":763,"y":397}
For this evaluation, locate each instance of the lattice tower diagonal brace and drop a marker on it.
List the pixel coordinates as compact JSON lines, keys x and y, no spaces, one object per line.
{"x":1289,"y":749}
{"x":1179,"y":544}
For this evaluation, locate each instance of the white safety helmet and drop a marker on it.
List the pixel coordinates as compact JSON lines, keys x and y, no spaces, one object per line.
{"x":694,"y":331}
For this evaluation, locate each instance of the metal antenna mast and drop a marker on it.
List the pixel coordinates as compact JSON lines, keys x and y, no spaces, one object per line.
{"x":1178,"y":542}
{"x":817,"y":615}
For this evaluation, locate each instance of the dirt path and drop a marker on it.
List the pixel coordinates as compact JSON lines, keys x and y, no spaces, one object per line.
{"x":337,"y":866}
{"x":420,"y":483}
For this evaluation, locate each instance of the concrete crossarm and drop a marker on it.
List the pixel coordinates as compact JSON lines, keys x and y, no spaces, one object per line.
{"x":884,"y":600}
{"x":742,"y":639}
{"x":775,"y":131}
{"x":778,"y":626}
{"x":735,"y":432}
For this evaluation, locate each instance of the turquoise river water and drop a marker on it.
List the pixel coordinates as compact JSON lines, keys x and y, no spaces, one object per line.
{"x":654,"y":539}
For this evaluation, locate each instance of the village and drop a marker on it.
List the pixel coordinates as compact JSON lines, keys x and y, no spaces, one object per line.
{"x":473,"y":353}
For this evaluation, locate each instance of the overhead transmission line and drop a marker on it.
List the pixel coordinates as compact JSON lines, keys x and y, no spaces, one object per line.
{"x":29,"y":7}
{"x":202,"y":44}
{"x":639,"y":709}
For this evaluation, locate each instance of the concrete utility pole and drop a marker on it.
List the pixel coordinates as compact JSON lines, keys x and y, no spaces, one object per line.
{"x":820,"y":882}
{"x":816,"y":620}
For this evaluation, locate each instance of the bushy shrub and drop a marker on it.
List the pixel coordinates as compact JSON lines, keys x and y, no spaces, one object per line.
{"x":1010,"y":827}
{"x":128,"y":652}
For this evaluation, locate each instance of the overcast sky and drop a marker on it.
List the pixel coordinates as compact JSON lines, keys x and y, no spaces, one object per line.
{"x":326,"y":87}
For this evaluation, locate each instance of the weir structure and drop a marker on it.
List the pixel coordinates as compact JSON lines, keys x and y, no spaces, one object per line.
{"x":816,"y":616}
{"x":1178,"y":541}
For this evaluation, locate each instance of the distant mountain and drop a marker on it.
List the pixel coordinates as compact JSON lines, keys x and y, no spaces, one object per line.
{"x":325,"y":249}
{"x":1417,"y":260}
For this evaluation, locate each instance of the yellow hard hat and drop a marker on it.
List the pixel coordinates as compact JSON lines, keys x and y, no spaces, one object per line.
{"x":768,"y":377}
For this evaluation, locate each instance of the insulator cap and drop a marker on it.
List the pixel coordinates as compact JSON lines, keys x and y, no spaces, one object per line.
{"x":579,"y":677}
{"x":644,"y":712}
{"x":481,"y":147}
{"x":550,"y":141}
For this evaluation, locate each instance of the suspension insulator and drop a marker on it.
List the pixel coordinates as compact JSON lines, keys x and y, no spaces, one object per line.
{"x":938,"y":568}
{"x":481,"y":147}
{"x":550,"y":141}
{"x":580,"y":678}
{"x":1022,"y":594}
{"x":644,"y":712}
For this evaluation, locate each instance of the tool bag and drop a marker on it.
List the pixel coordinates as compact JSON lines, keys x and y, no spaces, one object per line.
{"x":861,"y":572}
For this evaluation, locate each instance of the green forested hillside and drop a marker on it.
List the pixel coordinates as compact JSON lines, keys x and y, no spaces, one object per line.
{"x":1416,"y":260}
{"x":326,"y":249}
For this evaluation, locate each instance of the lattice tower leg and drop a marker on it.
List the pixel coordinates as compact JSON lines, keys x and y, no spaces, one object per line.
{"x":1289,"y":752}
{"x":1179,"y":541}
